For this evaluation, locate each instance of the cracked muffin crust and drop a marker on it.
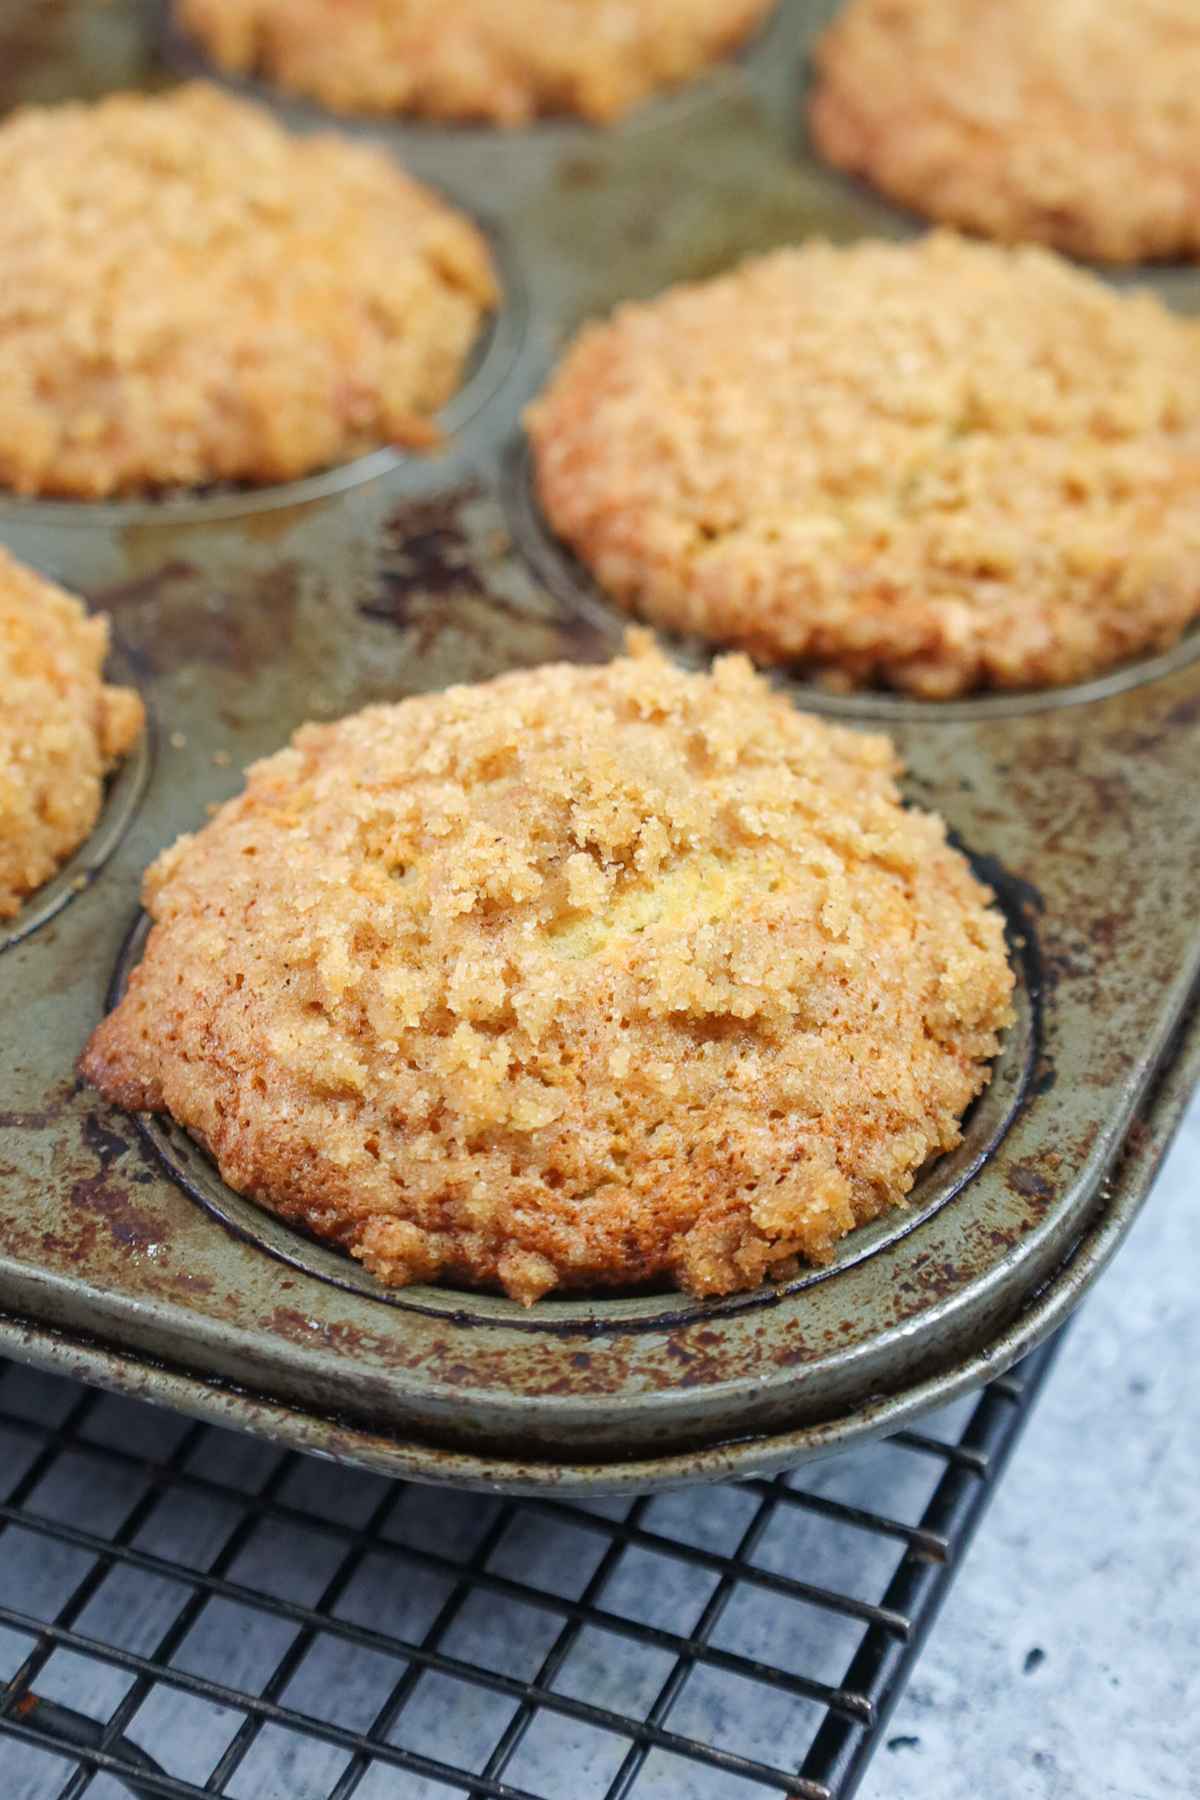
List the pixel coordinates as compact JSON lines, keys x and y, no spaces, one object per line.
{"x":579,"y":978}
{"x":472,"y":59}
{"x":1076,"y":125}
{"x":941,"y":465}
{"x":190,"y":294}
{"x":61,"y":728}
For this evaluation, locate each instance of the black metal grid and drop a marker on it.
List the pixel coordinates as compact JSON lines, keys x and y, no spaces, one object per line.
{"x":187,"y":1612}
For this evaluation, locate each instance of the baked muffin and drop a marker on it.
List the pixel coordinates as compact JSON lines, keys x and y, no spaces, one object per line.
{"x":471,"y":59}
{"x":939,"y":465}
{"x":61,"y":728}
{"x":581,"y":978}
{"x":1074,"y":125}
{"x":189,"y":294}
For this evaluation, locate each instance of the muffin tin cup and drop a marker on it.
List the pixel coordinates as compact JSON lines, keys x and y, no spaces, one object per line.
{"x":122,"y":1254}
{"x":466,"y":417}
{"x":943,"y":1180}
{"x":564,"y":575}
{"x":738,"y":1457}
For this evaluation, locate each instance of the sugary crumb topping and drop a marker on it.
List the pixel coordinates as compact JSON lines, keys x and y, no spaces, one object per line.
{"x":190,"y":294}
{"x":61,"y":728}
{"x":1074,"y":123}
{"x":939,"y":464}
{"x":472,"y":59}
{"x":582,"y":977}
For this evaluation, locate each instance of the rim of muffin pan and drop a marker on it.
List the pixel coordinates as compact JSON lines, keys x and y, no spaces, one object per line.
{"x":494,"y":356}
{"x":941,"y":1180}
{"x":182,"y":56}
{"x":568,"y":581}
{"x":124,"y":790}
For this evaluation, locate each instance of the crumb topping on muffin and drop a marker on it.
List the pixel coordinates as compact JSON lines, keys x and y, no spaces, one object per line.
{"x":1075,"y":123}
{"x":62,"y":728}
{"x":584,"y":977}
{"x":189,"y":294}
{"x":472,"y":59}
{"x":939,"y":465}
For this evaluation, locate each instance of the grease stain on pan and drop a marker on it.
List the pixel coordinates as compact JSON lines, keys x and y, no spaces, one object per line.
{"x":111,"y":1204}
{"x":445,"y":575}
{"x":178,"y":617}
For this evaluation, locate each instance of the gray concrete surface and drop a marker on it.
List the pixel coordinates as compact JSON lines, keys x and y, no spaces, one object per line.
{"x":1066,"y":1664}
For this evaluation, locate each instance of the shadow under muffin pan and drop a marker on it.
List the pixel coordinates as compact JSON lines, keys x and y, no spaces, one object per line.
{"x":560,"y":570}
{"x":245,"y":614}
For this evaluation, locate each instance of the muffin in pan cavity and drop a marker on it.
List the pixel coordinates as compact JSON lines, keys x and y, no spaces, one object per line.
{"x":584,"y":978}
{"x":62,"y":728}
{"x":191,"y":295}
{"x":471,"y":60}
{"x":1074,"y":123}
{"x":937,"y":466}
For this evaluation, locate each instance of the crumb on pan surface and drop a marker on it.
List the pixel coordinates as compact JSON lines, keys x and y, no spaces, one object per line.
{"x":190,"y":294}
{"x":1076,"y":125}
{"x":61,"y":728}
{"x":939,"y":465}
{"x":578,"y":978}
{"x":472,"y":59}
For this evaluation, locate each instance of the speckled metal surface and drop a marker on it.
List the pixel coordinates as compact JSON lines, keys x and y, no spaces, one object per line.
{"x":241,"y":616}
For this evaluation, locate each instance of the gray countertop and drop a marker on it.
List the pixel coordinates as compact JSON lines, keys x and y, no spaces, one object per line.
{"x":1066,"y":1664}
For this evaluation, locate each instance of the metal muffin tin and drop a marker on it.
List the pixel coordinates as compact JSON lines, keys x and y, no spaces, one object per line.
{"x":124,"y":1258}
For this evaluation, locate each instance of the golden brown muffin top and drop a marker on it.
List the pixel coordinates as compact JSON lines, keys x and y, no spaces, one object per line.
{"x":939,"y":464}
{"x":471,"y":59}
{"x":583,"y":977}
{"x":190,"y":294}
{"x":61,"y":728}
{"x":1074,"y":123}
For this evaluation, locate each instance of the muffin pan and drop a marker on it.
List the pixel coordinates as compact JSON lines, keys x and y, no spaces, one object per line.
{"x":125,"y":1259}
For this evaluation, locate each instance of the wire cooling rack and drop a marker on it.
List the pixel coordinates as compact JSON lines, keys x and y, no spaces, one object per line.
{"x":188,"y":1612}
